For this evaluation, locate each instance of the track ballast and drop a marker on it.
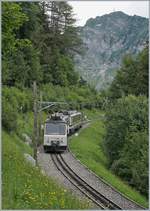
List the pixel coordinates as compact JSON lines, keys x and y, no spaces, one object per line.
{"x":100,"y":200}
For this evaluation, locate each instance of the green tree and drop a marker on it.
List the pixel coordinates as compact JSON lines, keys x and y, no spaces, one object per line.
{"x":38,"y":43}
{"x":143,"y":72}
{"x":12,"y":20}
{"x":127,"y":115}
{"x":133,"y":162}
{"x":14,"y":102}
{"x":126,"y":140}
{"x":132,"y":78}
{"x":60,"y":41}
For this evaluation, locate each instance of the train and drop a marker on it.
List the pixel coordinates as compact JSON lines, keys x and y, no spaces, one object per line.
{"x":58,"y":127}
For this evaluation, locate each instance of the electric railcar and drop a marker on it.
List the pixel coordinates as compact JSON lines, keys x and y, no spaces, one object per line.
{"x":55,"y":135}
{"x":58,"y":127}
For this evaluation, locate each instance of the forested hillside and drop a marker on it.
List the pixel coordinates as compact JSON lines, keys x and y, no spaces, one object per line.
{"x":38,"y":44}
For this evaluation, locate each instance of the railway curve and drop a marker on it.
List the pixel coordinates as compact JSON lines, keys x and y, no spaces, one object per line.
{"x":97,"y":198}
{"x":58,"y":166}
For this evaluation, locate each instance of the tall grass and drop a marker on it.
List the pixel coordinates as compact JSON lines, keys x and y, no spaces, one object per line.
{"x":25,"y":187}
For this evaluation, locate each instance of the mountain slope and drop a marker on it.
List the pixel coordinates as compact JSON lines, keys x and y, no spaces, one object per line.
{"x":107,"y":39}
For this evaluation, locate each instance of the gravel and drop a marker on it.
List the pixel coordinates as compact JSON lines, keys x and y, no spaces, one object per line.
{"x":48,"y":168}
{"x":99,"y":184}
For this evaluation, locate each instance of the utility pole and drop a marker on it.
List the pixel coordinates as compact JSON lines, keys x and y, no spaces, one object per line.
{"x":35,"y":132}
{"x":40,"y":118}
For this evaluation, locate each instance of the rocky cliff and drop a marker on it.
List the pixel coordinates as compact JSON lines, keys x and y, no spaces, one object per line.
{"x":107,"y":39}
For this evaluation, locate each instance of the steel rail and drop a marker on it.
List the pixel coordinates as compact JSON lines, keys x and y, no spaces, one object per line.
{"x":88,"y":190}
{"x":107,"y":202}
{"x":57,"y":164}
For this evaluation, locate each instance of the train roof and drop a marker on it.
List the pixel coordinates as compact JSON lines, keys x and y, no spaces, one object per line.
{"x":71,"y":112}
{"x":55,"y":119}
{"x":62,"y":117}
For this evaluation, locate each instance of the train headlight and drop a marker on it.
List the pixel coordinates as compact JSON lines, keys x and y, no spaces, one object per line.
{"x":47,"y":140}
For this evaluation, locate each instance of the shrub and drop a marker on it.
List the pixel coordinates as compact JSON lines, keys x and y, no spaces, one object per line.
{"x":133,"y":162}
{"x":9,"y":115}
{"x":126,"y":140}
{"x":14,"y":101}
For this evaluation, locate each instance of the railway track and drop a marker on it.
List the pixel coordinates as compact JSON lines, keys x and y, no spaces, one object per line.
{"x":100,"y":200}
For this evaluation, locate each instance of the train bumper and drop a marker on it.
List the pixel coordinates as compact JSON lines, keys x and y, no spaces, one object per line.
{"x":54,"y":148}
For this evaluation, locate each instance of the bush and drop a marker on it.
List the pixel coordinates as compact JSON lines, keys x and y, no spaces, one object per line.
{"x":133,"y":162}
{"x":126,"y":140}
{"x":14,"y":102}
{"x":77,"y":97}
{"x":132,"y":77}
{"x":9,"y":115}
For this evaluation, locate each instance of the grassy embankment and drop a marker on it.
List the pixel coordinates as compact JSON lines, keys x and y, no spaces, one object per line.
{"x":88,"y":148}
{"x":24,"y":186}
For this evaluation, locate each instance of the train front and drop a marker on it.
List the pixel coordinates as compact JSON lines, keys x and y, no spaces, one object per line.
{"x":55,"y":136}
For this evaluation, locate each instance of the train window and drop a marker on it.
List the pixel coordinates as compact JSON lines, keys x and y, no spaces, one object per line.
{"x":76,"y":119}
{"x":55,"y":129}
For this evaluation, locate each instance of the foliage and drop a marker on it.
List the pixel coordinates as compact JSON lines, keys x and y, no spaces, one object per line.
{"x":21,"y":99}
{"x":88,"y":148}
{"x":12,"y":19}
{"x":76,"y":97}
{"x":14,"y":102}
{"x":38,"y":43}
{"x":133,"y":162}
{"x":23,"y":68}
{"x":132,"y":78}
{"x":126,"y":140}
{"x":61,"y":70}
{"x":61,"y":41}
{"x":9,"y":117}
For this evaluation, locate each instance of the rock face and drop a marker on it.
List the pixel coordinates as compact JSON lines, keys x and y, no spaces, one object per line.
{"x":107,"y":39}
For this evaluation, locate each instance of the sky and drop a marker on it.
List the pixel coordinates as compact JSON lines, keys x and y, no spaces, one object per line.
{"x":90,"y":9}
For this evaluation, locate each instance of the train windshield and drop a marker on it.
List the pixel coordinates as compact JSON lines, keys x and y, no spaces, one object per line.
{"x":55,"y":129}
